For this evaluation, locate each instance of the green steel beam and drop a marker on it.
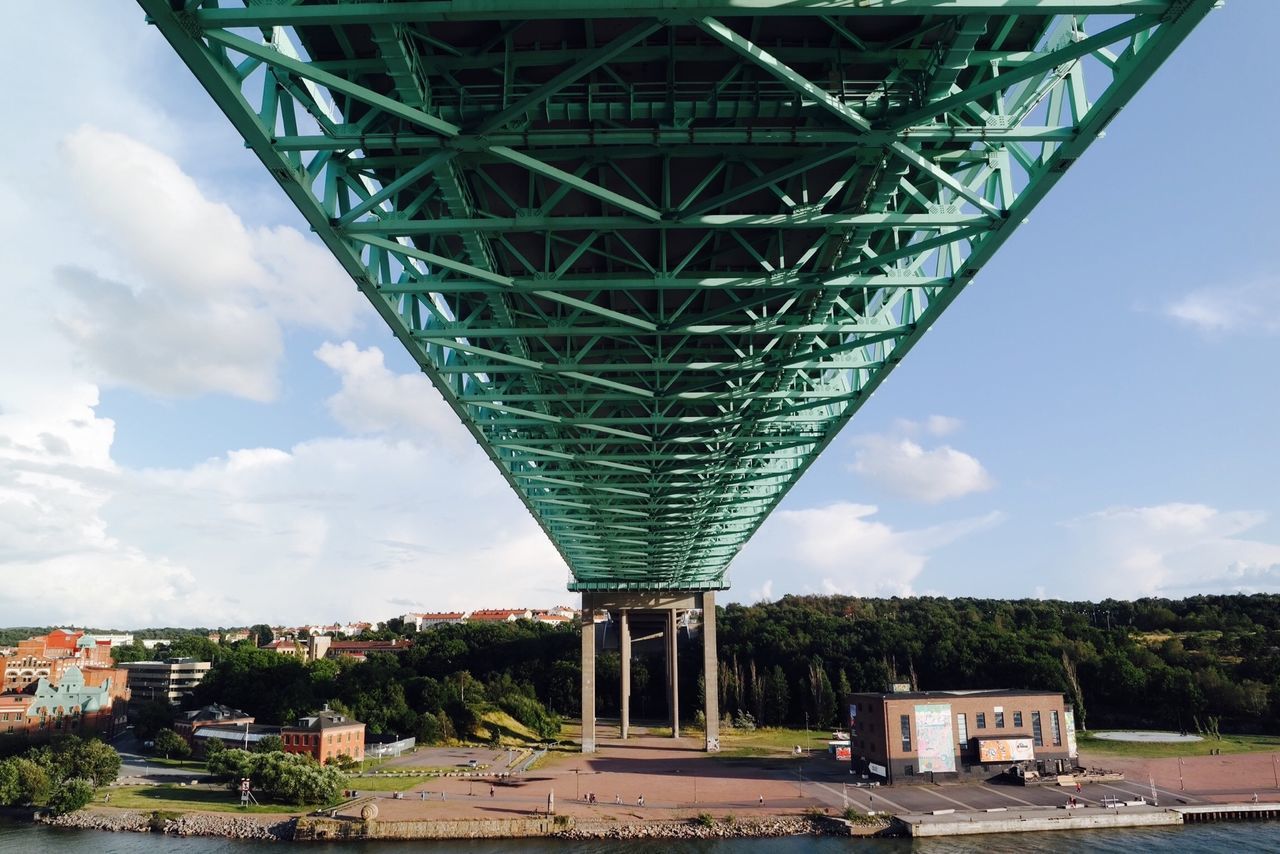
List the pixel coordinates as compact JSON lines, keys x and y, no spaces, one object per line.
{"x":654,"y":265}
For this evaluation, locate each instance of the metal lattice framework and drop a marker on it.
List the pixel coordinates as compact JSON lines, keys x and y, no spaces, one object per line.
{"x":655,"y":254}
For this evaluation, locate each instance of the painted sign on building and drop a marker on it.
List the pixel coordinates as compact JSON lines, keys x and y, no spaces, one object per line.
{"x":1070,"y":717}
{"x":936,"y":750}
{"x":844,"y":753}
{"x":994,"y":750}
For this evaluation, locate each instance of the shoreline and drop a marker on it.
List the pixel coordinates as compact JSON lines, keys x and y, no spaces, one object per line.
{"x":271,"y":828}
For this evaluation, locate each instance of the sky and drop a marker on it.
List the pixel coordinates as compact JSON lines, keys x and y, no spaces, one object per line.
{"x":202,"y":422}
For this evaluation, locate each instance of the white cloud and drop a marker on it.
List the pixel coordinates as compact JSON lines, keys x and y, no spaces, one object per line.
{"x":206,"y":297}
{"x":374,"y":399}
{"x":1169,"y":550}
{"x":841,"y":548}
{"x":1253,"y":306}
{"x":905,"y":467}
{"x":932,"y":425}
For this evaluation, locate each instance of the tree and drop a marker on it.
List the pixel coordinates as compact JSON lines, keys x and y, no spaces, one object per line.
{"x":34,"y":784}
{"x":212,"y":747}
{"x":150,"y":718}
{"x":261,"y":634}
{"x":269,"y":744}
{"x":71,"y":795}
{"x":10,"y":787}
{"x":171,"y":744}
{"x":71,"y":758}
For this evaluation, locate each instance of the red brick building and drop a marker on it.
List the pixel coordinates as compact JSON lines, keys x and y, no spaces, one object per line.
{"x":324,"y":736}
{"x":64,"y":681}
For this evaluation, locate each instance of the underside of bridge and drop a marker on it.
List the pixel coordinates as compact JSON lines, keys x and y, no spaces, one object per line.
{"x":655,"y":254}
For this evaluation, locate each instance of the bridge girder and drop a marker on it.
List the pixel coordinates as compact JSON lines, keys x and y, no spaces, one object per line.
{"x":655,"y":255}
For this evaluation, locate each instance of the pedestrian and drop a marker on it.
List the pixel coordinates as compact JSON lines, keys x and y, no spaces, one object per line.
{"x":422,"y":796}
{"x":1255,"y":797}
{"x":442,"y":797}
{"x":491,"y":791}
{"x":640,"y":801}
{"x":762,"y":800}
{"x":1078,"y":789}
{"x":617,"y":799}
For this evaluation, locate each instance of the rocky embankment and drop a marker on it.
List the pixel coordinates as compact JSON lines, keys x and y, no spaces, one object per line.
{"x":716,"y":829}
{"x":190,"y":824}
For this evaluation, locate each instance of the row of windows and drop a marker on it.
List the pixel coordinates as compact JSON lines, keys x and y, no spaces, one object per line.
{"x":980,"y":719}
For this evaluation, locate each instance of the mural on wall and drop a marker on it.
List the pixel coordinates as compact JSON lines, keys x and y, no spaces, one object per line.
{"x":934,"y":745}
{"x":992,"y":750}
{"x":1070,"y":716}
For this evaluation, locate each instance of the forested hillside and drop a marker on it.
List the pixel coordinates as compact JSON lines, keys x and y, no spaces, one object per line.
{"x":1204,"y":662}
{"x":1153,"y":662}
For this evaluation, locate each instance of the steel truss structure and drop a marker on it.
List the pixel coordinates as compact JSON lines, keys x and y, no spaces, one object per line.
{"x":655,"y":254}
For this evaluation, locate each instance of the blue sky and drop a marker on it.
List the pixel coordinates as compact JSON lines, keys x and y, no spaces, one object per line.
{"x":200,"y":423}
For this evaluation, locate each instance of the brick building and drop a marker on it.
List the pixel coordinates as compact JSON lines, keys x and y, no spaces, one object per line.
{"x":49,"y":656}
{"x":65,"y":681}
{"x":325,"y":735}
{"x":923,"y":736}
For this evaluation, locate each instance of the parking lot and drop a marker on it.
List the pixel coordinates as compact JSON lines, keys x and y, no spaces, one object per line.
{"x":987,"y":796}
{"x":487,"y":759}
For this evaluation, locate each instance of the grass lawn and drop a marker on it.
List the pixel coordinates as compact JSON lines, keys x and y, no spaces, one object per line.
{"x":187,"y":798}
{"x":1158,"y":750}
{"x":188,"y":764}
{"x":771,"y":742}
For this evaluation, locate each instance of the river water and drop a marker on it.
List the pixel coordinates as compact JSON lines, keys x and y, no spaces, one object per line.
{"x":1199,"y":839}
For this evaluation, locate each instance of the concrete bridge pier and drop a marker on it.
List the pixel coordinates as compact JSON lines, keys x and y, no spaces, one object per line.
{"x":648,"y":608}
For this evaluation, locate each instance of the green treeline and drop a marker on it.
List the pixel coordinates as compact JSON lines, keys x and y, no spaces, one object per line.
{"x":438,"y":690}
{"x":1182,"y":664}
{"x":1198,"y":663}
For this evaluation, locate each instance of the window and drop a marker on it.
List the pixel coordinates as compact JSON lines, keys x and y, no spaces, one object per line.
{"x":1000,"y":719}
{"x":906,"y":733}
{"x":963,"y":726}
{"x":1055,"y":728}
{"x":909,"y":770}
{"x":1017,"y":719}
{"x":981,"y":720}
{"x":1037,"y":732}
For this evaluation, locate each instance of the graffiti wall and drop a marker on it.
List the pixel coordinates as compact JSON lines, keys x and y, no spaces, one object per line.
{"x":936,"y":747}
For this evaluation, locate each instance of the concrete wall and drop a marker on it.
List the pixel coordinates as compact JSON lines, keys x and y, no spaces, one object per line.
{"x":1067,"y":820}
{"x":311,"y":827}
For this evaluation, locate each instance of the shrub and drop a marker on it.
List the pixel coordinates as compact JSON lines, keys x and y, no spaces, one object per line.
{"x":71,"y":795}
{"x":705,"y":819}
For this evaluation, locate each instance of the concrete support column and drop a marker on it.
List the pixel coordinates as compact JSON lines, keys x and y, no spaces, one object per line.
{"x":710,"y":670}
{"x":588,"y":676}
{"x":673,"y":673}
{"x":626,"y":673}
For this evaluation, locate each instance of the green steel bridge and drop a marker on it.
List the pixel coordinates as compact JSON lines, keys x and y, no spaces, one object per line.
{"x":656,"y":253}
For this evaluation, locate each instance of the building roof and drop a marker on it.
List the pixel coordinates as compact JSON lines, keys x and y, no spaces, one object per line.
{"x":953,"y":695}
{"x":499,"y":614}
{"x":443,"y":615}
{"x":214,"y":712}
{"x":326,"y":719}
{"x":236,"y":732}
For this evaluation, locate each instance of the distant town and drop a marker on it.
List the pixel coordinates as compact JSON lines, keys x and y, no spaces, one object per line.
{"x":69,"y":680}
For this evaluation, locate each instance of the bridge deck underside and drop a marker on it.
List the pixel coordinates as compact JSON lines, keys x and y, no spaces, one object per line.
{"x":655,"y":258}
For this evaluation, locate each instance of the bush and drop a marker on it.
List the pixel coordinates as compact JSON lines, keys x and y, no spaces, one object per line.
{"x":171,"y":744}
{"x":71,"y":795}
{"x":705,"y":819}
{"x":269,"y":744}
{"x":213,"y":746}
